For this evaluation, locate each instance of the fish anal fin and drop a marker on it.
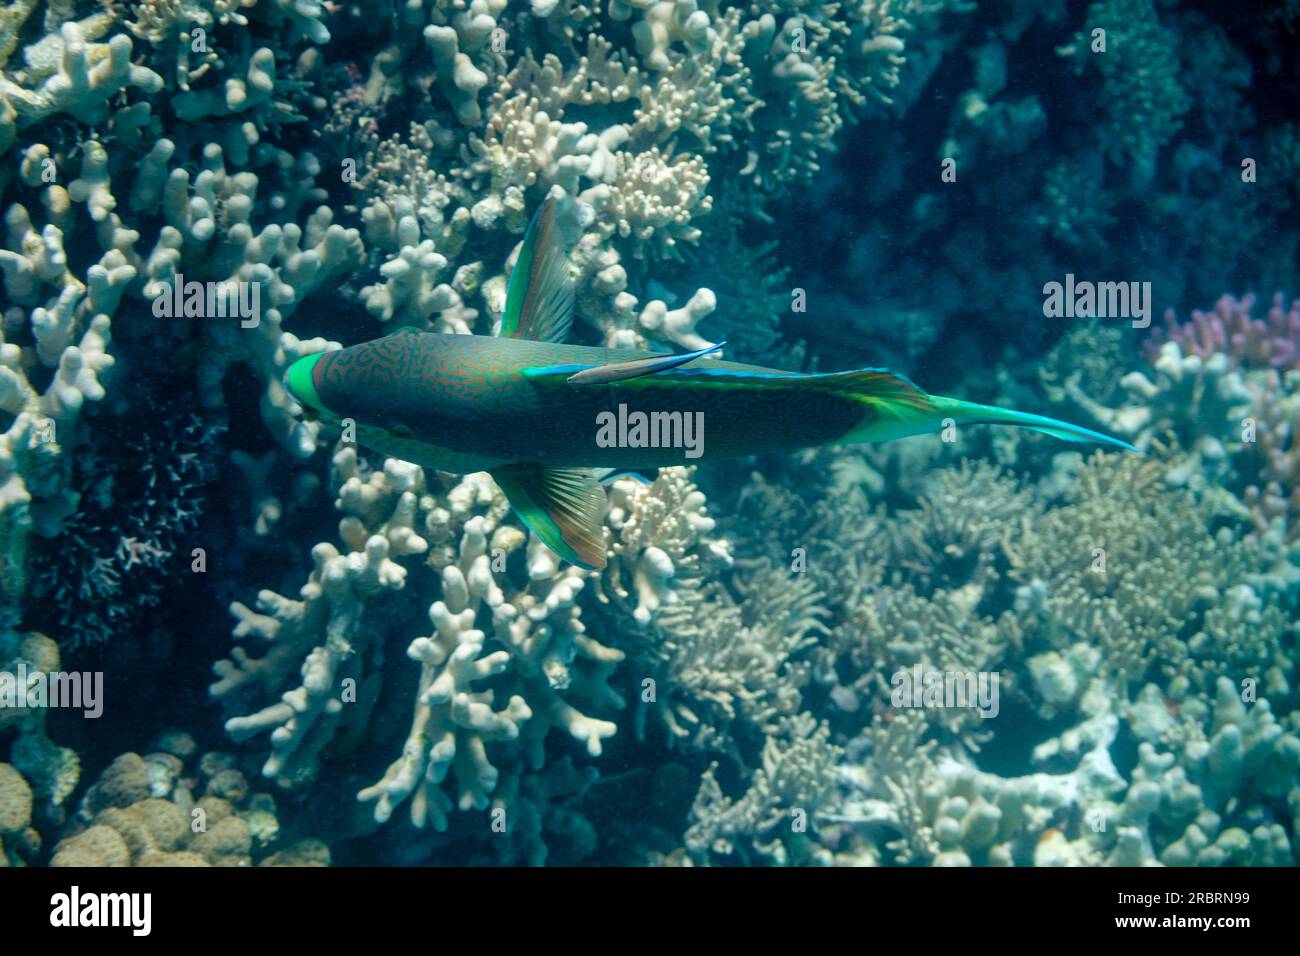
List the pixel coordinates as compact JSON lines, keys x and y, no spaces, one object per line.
{"x":564,"y":507}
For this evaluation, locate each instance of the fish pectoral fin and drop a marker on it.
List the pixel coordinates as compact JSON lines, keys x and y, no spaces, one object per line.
{"x":539,"y":296}
{"x":622,"y":371}
{"x":562,"y":506}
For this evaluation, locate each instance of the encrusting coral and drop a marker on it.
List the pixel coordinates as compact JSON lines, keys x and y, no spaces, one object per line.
{"x":175,"y":808}
{"x":51,"y":771}
{"x":18,"y":840}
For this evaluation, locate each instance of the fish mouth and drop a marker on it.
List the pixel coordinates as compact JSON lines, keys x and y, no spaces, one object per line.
{"x":299,"y":381}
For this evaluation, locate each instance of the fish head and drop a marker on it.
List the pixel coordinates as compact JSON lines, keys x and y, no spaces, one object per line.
{"x":375,"y":392}
{"x":363,"y":382}
{"x":303,"y":382}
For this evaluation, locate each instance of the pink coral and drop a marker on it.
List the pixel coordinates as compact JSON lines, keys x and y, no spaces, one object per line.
{"x":1269,"y":349}
{"x":1273,"y":342}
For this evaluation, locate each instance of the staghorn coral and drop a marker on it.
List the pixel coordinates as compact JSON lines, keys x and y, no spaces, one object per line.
{"x":204,"y":233}
{"x":1174,"y":598}
{"x":323,"y":638}
{"x":774,"y":820}
{"x":549,"y":658}
{"x":43,"y":417}
{"x":486,"y":699}
{"x":66,"y":72}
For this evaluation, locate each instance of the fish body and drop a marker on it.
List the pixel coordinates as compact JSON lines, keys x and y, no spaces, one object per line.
{"x":471,"y":403}
{"x":538,"y":413}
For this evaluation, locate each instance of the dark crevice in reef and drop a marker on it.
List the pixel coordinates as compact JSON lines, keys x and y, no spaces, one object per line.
{"x":117,"y":587}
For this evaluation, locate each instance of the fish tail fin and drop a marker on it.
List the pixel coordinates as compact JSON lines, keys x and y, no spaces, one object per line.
{"x":894,"y":408}
{"x":971,"y":413}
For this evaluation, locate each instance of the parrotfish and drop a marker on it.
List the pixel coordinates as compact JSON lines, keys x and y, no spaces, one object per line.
{"x":539,"y":415}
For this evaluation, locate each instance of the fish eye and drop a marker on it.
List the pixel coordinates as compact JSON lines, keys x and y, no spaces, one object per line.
{"x":401,"y":431}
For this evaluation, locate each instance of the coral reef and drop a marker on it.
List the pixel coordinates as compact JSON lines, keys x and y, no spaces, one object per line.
{"x":1231,"y":330}
{"x":1202,"y":793}
{"x":757,"y":172}
{"x":1077,"y":595}
{"x":537,"y":656}
{"x":106,"y":569}
{"x":18,"y":841}
{"x":1141,"y":87}
{"x":51,"y":771}
{"x":771,"y":821}
{"x":1221,"y":386}
{"x":174,"y":808}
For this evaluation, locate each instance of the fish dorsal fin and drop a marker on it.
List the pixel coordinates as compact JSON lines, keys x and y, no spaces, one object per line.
{"x":622,"y":371}
{"x":562,"y":506}
{"x":539,"y":297}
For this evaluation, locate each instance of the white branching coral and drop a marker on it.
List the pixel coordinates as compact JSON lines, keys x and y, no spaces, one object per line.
{"x":1199,"y":402}
{"x":44,"y":385}
{"x":662,"y":549}
{"x":322,"y":636}
{"x":1199,"y":793}
{"x":69,"y":72}
{"x":537,"y":645}
{"x":538,"y":642}
{"x":509,"y":658}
